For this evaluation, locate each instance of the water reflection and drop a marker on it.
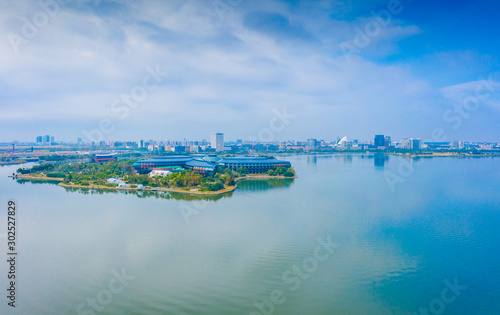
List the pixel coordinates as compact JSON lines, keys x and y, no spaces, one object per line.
{"x":345,"y":158}
{"x":312,"y":159}
{"x":37,"y":181}
{"x":244,"y":185}
{"x":379,"y":160}
{"x":151,"y":194}
{"x":258,"y":185}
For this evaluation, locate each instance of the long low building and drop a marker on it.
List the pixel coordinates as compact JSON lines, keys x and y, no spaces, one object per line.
{"x":146,"y":166}
{"x":208,"y":165}
{"x":254,"y":165}
{"x":103,"y":158}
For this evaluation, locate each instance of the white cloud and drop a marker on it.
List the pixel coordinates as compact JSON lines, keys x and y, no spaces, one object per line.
{"x":221,"y":72}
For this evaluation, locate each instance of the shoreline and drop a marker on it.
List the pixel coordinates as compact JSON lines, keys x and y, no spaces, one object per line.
{"x":225,"y":190}
{"x":180,"y":191}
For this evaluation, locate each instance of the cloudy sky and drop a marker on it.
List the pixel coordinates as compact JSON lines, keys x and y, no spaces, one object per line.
{"x":252,"y":69}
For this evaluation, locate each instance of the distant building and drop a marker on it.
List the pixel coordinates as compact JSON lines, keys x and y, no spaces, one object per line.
{"x":39,"y":139}
{"x":103,"y":158}
{"x":209,"y":164}
{"x":379,"y":141}
{"x":415,"y":144}
{"x":312,"y":144}
{"x":405,"y":143}
{"x":217,"y":141}
{"x":456,"y":145}
{"x":253,"y":165}
{"x":179,"y":148}
{"x":387,"y":141}
{"x":46,"y":140}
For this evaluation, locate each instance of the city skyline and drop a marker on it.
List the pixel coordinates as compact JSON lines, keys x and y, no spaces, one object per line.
{"x":208,"y":140}
{"x":180,"y":68}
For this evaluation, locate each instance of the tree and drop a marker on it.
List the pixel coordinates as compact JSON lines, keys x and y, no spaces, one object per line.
{"x":271,"y":172}
{"x":229,"y":180}
{"x":280,"y":170}
{"x":242,"y":170}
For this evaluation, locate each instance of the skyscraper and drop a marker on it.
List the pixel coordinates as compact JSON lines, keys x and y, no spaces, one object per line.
{"x":415,"y":144}
{"x":312,"y":144}
{"x":379,"y":141}
{"x":217,"y":141}
{"x":46,"y":140}
{"x":387,"y":141}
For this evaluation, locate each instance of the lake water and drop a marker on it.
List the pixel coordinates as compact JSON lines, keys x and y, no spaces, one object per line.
{"x":353,"y":234}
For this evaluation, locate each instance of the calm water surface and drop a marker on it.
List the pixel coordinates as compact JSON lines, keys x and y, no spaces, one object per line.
{"x":398,"y":246}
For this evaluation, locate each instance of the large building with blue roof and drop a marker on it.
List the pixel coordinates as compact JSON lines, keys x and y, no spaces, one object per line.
{"x":208,"y":165}
{"x":254,"y":165}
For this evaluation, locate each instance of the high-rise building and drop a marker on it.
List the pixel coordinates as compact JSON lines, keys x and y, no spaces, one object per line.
{"x":46,"y":140}
{"x":387,"y":141}
{"x":379,"y":141}
{"x":415,"y":144}
{"x":405,"y":143}
{"x":217,"y":141}
{"x":52,"y":140}
{"x":455,"y":145}
{"x":312,"y":144}
{"x":39,"y":139}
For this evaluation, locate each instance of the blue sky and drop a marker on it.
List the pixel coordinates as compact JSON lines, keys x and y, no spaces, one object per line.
{"x":341,"y":68}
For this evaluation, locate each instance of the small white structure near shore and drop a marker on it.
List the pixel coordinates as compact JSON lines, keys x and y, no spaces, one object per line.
{"x":159,"y":172}
{"x":118,"y":182}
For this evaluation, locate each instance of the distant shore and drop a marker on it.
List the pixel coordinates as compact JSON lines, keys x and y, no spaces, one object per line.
{"x":442,"y":154}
